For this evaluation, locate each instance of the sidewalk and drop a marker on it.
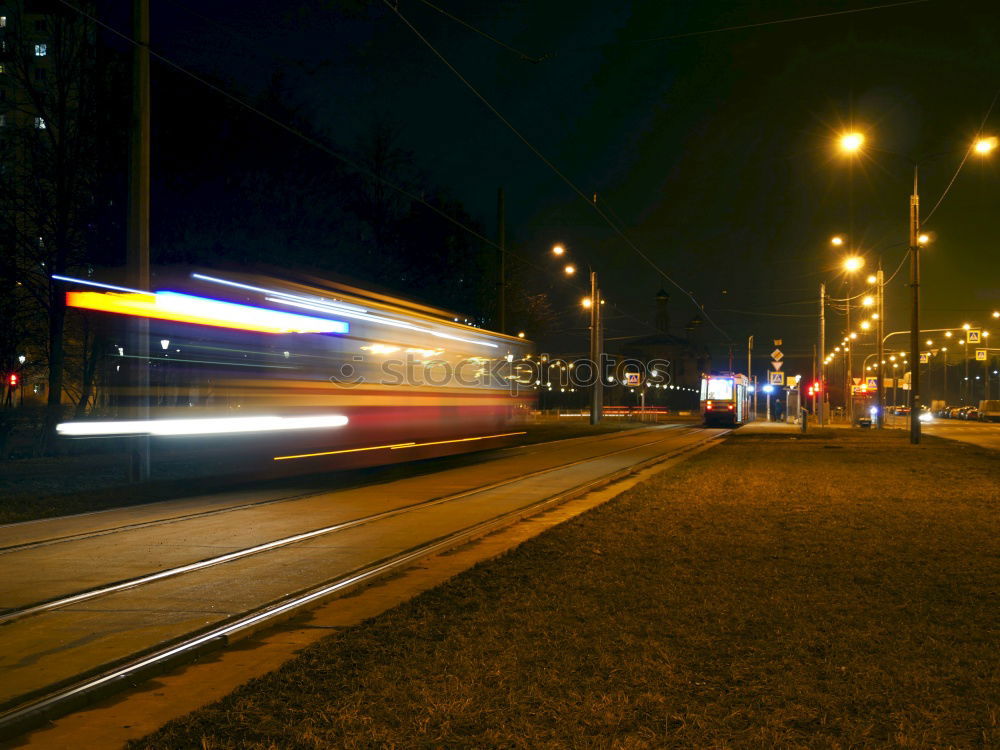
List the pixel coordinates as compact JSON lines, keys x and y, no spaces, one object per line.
{"x":767,"y":592}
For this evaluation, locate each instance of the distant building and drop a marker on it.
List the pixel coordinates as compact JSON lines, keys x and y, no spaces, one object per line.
{"x":686,"y":357}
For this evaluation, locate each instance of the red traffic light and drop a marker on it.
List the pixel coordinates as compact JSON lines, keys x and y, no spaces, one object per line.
{"x":12,"y":380}
{"x":817,"y":386}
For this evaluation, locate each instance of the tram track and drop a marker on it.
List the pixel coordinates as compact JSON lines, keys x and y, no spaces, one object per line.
{"x":86,"y":595}
{"x":71,"y":692}
{"x":18,"y":547}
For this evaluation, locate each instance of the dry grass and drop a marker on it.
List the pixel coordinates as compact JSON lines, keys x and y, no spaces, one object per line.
{"x":837,"y":590}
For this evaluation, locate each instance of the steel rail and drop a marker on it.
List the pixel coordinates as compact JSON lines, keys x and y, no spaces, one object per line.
{"x":245,"y":506}
{"x":130,"y":583}
{"x":63,"y":699}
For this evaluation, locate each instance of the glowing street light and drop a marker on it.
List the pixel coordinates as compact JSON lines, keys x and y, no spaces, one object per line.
{"x":570,"y":269}
{"x":558,"y":250}
{"x":851,"y":143}
{"x":985,"y":145}
{"x":865,"y":325}
{"x":867,"y":301}
{"x":586,"y":302}
{"x":853,"y":263}
{"x":872,"y":279}
{"x":837,"y":240}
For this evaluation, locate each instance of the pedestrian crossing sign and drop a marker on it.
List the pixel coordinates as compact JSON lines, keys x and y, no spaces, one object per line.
{"x":974,"y":336}
{"x":777,"y":378}
{"x":980,"y":355}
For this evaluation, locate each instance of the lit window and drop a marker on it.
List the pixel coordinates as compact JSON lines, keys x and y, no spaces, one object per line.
{"x":41,"y":50}
{"x":2,"y":68}
{"x":3,"y":21}
{"x":40,"y":123}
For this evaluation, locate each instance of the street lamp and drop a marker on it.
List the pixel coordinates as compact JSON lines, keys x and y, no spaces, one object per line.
{"x":985,"y":145}
{"x":853,"y":263}
{"x":593,"y":303}
{"x":851,"y":143}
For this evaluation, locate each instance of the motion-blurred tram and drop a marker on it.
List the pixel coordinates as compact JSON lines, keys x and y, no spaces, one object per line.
{"x":724,"y":399}
{"x":261,"y":371}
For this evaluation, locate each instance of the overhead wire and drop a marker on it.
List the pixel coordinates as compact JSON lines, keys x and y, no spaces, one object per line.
{"x":468,"y":84}
{"x":965,"y":158}
{"x":480,"y":32}
{"x":360,"y":168}
{"x":740,"y":27}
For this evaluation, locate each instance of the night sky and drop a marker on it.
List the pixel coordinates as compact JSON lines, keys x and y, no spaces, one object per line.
{"x":713,"y":151}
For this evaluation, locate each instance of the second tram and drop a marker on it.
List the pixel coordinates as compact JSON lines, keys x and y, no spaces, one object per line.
{"x":724,"y":399}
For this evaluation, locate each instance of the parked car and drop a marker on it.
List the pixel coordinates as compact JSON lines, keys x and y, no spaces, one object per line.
{"x":971,"y":414}
{"x":954,"y":412}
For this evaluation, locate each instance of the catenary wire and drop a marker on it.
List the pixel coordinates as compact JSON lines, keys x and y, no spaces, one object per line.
{"x":326,"y":149}
{"x":548,"y":163}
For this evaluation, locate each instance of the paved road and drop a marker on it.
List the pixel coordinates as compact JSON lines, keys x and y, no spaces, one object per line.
{"x":984,"y":434}
{"x":260,"y":553}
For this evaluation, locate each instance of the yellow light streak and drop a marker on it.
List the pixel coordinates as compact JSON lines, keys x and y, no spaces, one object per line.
{"x":396,"y":446}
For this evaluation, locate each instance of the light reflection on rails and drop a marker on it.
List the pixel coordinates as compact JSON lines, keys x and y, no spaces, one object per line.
{"x":126,"y":673}
{"x":64,"y":601}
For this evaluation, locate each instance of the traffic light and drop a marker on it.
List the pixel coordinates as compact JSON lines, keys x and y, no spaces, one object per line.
{"x":12,"y":380}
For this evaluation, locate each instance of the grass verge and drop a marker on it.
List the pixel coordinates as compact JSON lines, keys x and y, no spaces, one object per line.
{"x":831,"y":590}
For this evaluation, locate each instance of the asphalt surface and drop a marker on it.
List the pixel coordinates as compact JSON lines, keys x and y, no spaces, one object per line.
{"x":983,"y":434}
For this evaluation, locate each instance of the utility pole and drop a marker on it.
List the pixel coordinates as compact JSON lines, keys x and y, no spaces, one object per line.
{"x":915,"y":317}
{"x":822,"y":353}
{"x":501,"y":240}
{"x":138,"y":230}
{"x":597,"y":393}
{"x":879,"y":328}
{"x":750,"y":372}
{"x":848,"y":351}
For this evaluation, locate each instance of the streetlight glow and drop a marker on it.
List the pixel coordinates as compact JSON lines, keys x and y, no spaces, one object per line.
{"x":865,"y":325}
{"x":867,"y":301}
{"x":853,"y":263}
{"x":586,"y":302}
{"x":558,"y":250}
{"x":923,"y":239}
{"x":837,"y":240}
{"x":872,"y":279}
{"x":985,"y":145}
{"x":570,"y":269}
{"x":851,"y":143}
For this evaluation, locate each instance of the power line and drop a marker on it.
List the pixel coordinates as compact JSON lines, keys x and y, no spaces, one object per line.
{"x":964,"y":159}
{"x":480,"y":32}
{"x":757,"y":25}
{"x":327,"y":150}
{"x":547,"y":162}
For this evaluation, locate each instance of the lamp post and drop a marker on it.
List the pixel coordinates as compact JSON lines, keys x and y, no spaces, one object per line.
{"x":593,"y":303}
{"x":851,"y":264}
{"x":822,"y":353}
{"x":852,"y":143}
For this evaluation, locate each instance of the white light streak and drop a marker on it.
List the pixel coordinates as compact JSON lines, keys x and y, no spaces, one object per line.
{"x":204,"y":426}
